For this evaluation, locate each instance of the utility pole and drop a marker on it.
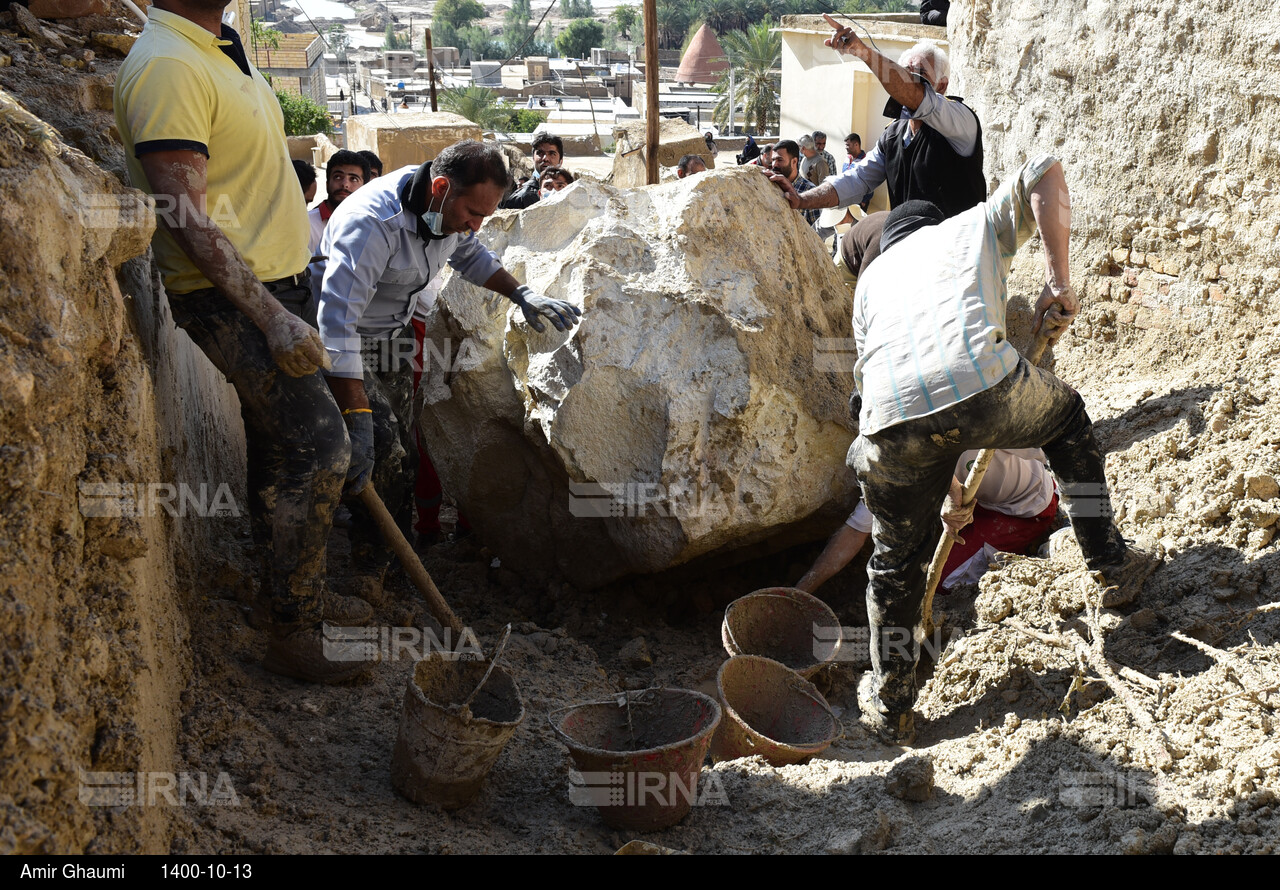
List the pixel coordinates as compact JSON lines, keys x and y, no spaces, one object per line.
{"x":651,"y":90}
{"x":595,"y":128}
{"x":733,"y":94}
{"x":431,"y":70}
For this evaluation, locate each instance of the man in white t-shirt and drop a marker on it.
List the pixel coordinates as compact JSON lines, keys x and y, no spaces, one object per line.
{"x":1017,"y":505}
{"x":345,"y":172}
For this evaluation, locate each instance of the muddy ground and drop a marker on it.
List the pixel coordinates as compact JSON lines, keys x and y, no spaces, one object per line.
{"x":1029,"y":751}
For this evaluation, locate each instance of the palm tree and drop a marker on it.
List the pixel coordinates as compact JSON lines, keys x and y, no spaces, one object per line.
{"x":754,"y":55}
{"x":673,"y":21}
{"x":721,"y":15}
{"x":476,"y":104}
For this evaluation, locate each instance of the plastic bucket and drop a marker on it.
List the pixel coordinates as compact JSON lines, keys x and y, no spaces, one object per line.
{"x":638,"y":756}
{"x":452,"y":729}
{"x":772,"y":711}
{"x":784,"y":624}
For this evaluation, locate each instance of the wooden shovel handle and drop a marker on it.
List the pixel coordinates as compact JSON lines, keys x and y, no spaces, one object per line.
{"x":971,"y":484}
{"x":404,"y":552}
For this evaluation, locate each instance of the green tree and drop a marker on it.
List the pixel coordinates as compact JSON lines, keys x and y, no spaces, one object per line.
{"x":674,"y":17}
{"x":339,"y":41}
{"x":392,"y":40}
{"x":526,"y":120}
{"x":515,"y":25}
{"x":576,"y":41}
{"x":263,"y":37}
{"x":625,"y":18}
{"x":458,"y":13}
{"x":475,"y":43}
{"x":303,"y":116}
{"x":577,"y":9}
{"x":476,"y":104}
{"x":754,"y":55}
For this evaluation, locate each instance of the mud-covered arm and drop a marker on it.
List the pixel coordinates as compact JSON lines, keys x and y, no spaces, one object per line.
{"x":180,"y":177}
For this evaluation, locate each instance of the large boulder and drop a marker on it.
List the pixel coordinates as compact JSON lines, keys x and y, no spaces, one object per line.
{"x":684,"y":416}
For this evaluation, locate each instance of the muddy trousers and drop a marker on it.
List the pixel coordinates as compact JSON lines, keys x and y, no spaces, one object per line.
{"x":296,"y":447}
{"x":388,"y":384}
{"x":905,"y":472}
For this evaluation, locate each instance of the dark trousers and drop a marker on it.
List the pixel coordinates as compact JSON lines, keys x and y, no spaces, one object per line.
{"x":296,"y":446}
{"x":905,"y":472}
{"x":388,"y":384}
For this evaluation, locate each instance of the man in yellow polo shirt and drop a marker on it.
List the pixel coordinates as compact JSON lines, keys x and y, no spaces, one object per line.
{"x":204,"y":134}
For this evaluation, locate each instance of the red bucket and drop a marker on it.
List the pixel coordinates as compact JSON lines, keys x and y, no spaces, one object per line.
{"x":639,"y":756}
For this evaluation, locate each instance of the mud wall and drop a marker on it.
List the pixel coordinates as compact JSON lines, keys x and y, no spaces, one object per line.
{"x":1163,"y":117}
{"x":102,"y":404}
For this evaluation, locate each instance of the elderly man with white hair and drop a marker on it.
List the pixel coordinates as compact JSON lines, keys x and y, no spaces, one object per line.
{"x":931,"y":152}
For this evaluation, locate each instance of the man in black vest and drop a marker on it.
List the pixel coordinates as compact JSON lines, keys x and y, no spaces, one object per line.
{"x":931,"y":152}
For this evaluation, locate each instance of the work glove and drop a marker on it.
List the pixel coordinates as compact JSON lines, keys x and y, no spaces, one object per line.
{"x":295,"y":345}
{"x":955,"y":514}
{"x":561,"y":313}
{"x":360,"y":431}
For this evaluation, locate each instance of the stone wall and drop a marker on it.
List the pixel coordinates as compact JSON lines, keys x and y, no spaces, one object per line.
{"x":1163,"y":118}
{"x":105,"y":410}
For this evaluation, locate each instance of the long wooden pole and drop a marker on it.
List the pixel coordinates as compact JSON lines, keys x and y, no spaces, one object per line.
{"x":971,"y":484}
{"x":651,"y":89}
{"x":413,"y":566}
{"x":431,"y":71}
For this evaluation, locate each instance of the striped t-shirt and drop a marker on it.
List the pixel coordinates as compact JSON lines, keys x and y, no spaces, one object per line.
{"x":929,"y":313}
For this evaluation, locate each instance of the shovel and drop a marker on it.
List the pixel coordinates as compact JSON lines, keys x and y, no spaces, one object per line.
{"x":971,"y":484}
{"x":404,"y":552}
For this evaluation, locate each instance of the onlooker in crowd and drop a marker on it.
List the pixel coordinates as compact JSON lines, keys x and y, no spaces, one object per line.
{"x":1017,"y":506}
{"x":554,"y":179}
{"x":934,"y":12}
{"x":385,"y":244}
{"x":711,"y":144}
{"x":375,"y":163}
{"x":813,"y":166}
{"x":853,"y":145}
{"x":786,"y":164}
{"x":191,"y":109}
{"x":750,"y":151}
{"x":766,"y":157}
{"x":345,"y":172}
{"x":548,"y":151}
{"x":306,"y":179}
{"x":820,"y":143}
{"x":689,"y":165}
{"x":931,"y":152}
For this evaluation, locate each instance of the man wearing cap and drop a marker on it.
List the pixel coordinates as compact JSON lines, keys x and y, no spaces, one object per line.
{"x":938,"y":376}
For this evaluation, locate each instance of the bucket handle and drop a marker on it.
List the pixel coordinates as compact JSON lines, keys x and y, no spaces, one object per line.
{"x":626,"y":695}
{"x":506,"y":635}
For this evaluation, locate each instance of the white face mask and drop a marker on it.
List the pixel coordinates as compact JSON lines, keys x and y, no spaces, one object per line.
{"x":434,"y":219}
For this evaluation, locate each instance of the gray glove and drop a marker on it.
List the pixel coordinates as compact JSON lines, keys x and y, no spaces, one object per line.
{"x":360,"y":431}
{"x":561,"y":313}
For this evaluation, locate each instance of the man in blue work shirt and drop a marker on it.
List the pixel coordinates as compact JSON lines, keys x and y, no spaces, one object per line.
{"x":384,"y":244}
